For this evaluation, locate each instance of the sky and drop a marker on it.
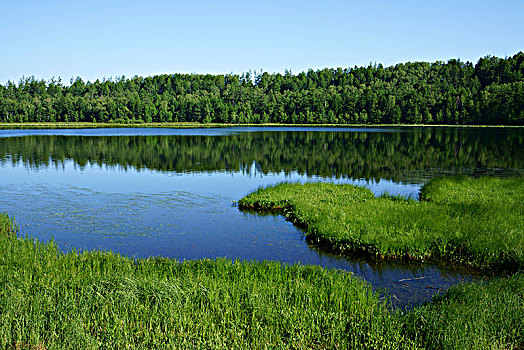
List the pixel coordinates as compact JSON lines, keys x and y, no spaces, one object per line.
{"x":102,"y":39}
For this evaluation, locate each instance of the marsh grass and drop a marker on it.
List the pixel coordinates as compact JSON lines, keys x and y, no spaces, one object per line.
{"x":55,"y":300}
{"x":99,"y":299}
{"x":7,"y":225}
{"x":476,"y":222}
{"x":472,"y":316}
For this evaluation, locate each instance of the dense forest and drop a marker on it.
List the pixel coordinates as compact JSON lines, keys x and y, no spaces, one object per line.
{"x":394,"y":155}
{"x":489,"y":92}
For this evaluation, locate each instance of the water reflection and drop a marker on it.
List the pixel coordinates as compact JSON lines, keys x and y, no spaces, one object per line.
{"x":391,"y":155}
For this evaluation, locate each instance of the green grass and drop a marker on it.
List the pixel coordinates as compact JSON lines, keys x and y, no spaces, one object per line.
{"x":472,"y":316}
{"x":475,"y":222}
{"x":7,"y":225}
{"x":55,"y":300}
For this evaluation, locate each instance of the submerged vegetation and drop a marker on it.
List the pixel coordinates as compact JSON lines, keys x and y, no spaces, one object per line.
{"x":464,"y":220}
{"x":51,"y":299}
{"x":454,"y":92}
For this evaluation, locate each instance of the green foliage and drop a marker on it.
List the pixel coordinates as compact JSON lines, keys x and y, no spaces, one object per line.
{"x":469,"y":221}
{"x":490,"y":92}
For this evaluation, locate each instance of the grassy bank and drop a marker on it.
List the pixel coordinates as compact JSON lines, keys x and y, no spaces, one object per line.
{"x":477,"y":222}
{"x":97,"y":299}
{"x":54,"y":300}
{"x":182,"y":125}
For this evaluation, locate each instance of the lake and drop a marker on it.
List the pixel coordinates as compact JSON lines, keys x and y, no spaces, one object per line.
{"x":170,"y":192}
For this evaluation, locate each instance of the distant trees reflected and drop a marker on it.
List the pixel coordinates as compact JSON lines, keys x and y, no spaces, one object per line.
{"x":395,"y":155}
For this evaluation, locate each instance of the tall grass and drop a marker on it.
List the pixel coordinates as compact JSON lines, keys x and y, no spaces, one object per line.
{"x":7,"y":225}
{"x":53,"y":300}
{"x":97,"y":299}
{"x":472,"y":316}
{"x":471,"y":221}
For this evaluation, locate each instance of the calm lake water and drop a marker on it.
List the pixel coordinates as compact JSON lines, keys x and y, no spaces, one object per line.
{"x":170,"y":192}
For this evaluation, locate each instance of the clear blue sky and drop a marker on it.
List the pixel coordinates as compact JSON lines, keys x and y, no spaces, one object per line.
{"x":96,"y":39}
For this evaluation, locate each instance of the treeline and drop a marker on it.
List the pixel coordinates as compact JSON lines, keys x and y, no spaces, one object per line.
{"x":489,"y":92}
{"x":398,"y":156}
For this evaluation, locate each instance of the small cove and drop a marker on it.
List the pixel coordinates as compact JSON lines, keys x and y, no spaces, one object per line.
{"x":169,"y":192}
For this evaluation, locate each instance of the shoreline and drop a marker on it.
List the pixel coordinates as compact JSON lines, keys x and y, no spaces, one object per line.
{"x":186,"y":125}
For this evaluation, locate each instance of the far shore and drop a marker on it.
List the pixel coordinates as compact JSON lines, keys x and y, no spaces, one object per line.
{"x":183,"y":125}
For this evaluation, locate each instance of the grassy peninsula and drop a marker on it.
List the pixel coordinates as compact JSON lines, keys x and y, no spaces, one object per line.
{"x":477,"y":222}
{"x":55,"y":300}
